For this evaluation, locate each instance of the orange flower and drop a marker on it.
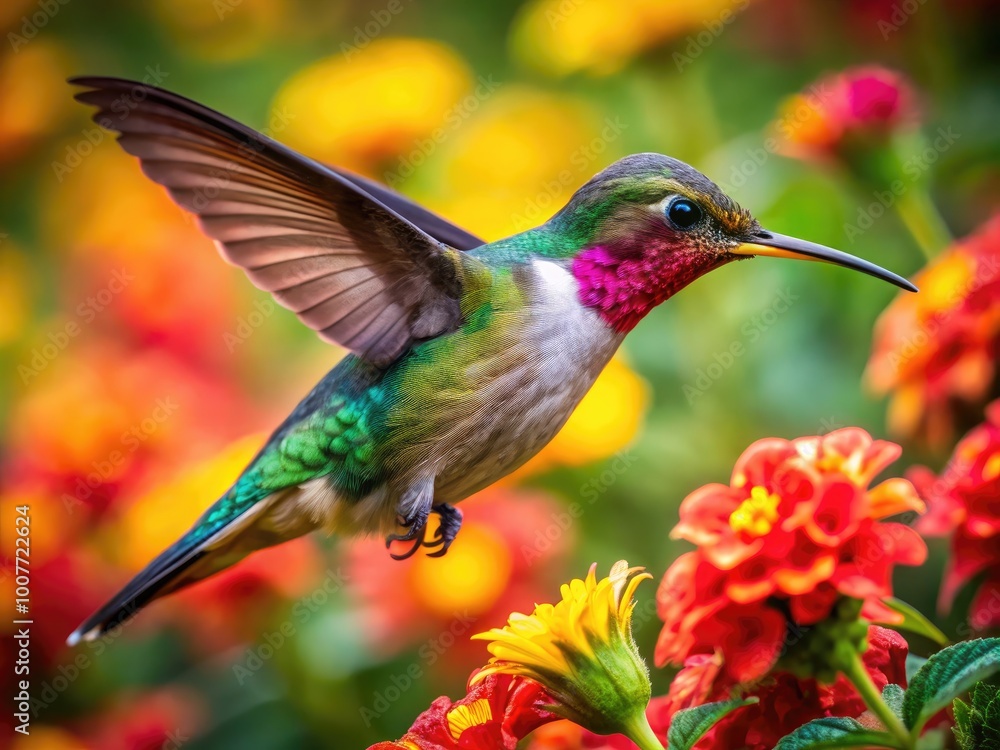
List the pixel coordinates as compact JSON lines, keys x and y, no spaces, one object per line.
{"x":844,"y":110}
{"x":496,"y":714}
{"x":785,"y":702}
{"x":936,"y":351}
{"x":965,"y":500}
{"x":796,"y":529}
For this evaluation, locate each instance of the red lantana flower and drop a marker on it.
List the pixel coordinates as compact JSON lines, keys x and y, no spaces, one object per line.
{"x":840,"y":110}
{"x":496,"y":714}
{"x":965,"y":500}
{"x":796,"y":529}
{"x":785,"y":702}
{"x":936,"y":352}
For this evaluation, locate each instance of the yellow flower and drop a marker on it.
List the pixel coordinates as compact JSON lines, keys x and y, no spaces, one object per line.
{"x":515,"y":160}
{"x":600,"y":36}
{"x":582,"y":652}
{"x":366,"y":108}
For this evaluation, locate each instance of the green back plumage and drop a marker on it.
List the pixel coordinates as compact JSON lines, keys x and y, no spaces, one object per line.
{"x":359,"y":420}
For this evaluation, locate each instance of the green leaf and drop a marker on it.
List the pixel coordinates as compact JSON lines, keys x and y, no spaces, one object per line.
{"x":947,"y":675}
{"x":893,"y":697}
{"x":915,"y":622}
{"x":964,"y":723}
{"x":688,"y":726}
{"x":831,"y":733}
{"x":913,"y":665}
{"x":977,"y":724}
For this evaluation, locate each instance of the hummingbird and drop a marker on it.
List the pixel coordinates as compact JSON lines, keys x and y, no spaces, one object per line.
{"x":465,"y":357}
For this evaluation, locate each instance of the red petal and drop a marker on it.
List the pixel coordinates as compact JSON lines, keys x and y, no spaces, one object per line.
{"x":757,"y":464}
{"x":705,"y":514}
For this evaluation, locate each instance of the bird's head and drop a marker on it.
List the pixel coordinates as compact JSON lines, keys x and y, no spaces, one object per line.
{"x":648,"y":225}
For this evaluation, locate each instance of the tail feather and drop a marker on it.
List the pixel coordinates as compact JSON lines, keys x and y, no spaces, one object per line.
{"x":163,"y":574}
{"x":187,"y":561}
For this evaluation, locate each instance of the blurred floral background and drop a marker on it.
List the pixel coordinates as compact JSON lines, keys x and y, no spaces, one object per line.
{"x":140,"y":372}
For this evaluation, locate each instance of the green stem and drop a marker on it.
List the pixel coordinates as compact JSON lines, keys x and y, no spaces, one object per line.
{"x":639,"y":731}
{"x":862,"y":681}
{"x":922,"y":218}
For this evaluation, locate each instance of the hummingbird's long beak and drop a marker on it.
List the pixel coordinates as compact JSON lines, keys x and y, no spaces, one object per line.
{"x":782,"y":246}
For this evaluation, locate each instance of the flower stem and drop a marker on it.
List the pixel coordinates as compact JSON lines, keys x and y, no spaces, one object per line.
{"x":922,"y":218}
{"x":639,"y":731}
{"x":862,"y":681}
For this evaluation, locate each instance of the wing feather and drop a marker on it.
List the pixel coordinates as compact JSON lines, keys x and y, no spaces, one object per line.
{"x":350,"y":257}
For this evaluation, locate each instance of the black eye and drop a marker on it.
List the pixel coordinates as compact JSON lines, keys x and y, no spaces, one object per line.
{"x":683,"y":213}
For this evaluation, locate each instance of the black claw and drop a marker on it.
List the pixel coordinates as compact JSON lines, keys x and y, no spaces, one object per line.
{"x":415,"y":525}
{"x":404,"y":555}
{"x":416,"y":530}
{"x":451,"y":522}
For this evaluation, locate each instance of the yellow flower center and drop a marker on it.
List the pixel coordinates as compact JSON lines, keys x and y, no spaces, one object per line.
{"x":468,"y":715}
{"x":756,"y":515}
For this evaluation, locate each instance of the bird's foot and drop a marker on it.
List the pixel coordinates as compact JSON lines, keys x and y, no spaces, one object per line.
{"x":416,"y":527}
{"x":416,"y":531}
{"x":451,"y":522}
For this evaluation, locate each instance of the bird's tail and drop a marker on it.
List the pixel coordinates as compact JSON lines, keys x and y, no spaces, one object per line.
{"x":191,"y":558}
{"x":165,"y":573}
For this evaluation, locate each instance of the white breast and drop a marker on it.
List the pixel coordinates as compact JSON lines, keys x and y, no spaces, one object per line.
{"x":567,"y":346}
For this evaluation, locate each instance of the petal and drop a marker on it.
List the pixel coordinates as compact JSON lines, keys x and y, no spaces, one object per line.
{"x":751,"y":581}
{"x":838,"y":513}
{"x":875,"y":611}
{"x":801,"y":581}
{"x":877,"y":458}
{"x":758,"y":462}
{"x":799,"y":484}
{"x":970,"y":556}
{"x":886,"y":655}
{"x":894,"y":496}
{"x":730,"y":552}
{"x":704,"y":514}
{"x":902,"y":544}
{"x":813,"y":606}
{"x":752,"y":641}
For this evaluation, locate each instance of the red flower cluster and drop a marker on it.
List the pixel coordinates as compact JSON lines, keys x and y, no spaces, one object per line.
{"x":965,"y":500}
{"x":496,"y":714}
{"x":937,"y":351}
{"x":785,"y":701}
{"x":843,"y":109}
{"x":795,"y":530}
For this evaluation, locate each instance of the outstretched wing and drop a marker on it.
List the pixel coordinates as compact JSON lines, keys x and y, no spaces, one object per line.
{"x":351,"y":267}
{"x":436,"y":226}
